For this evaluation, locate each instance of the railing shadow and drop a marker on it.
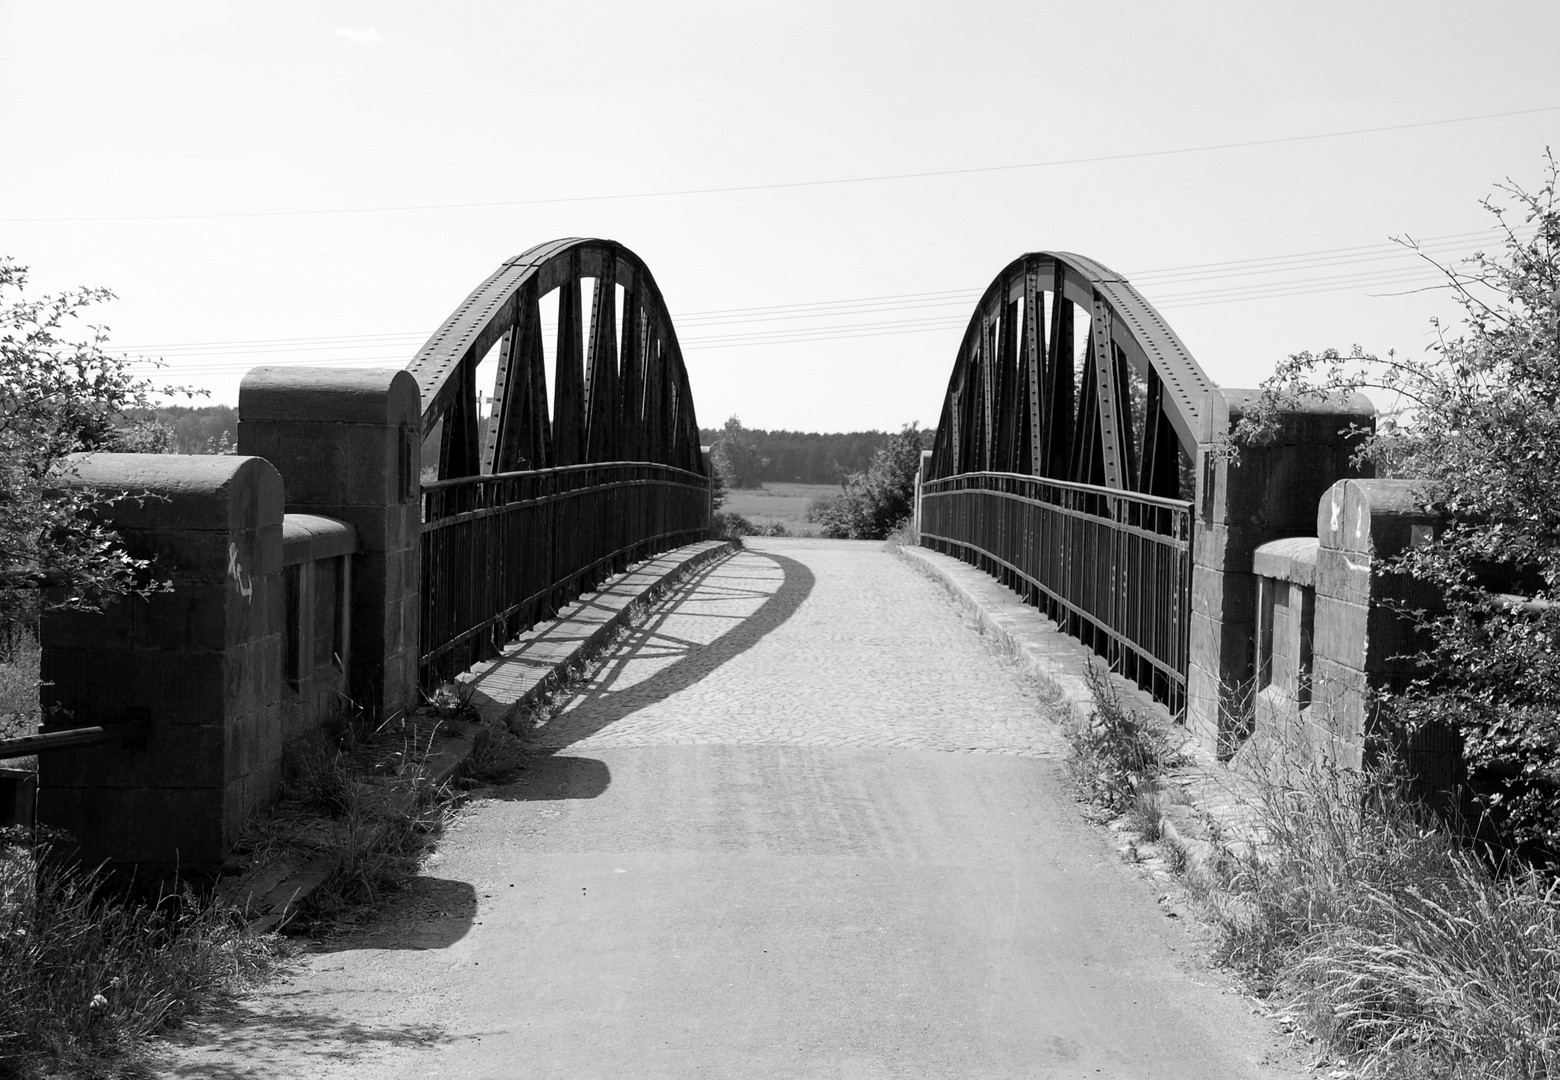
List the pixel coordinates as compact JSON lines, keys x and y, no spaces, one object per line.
{"x":696,"y":659}
{"x":292,"y":1034}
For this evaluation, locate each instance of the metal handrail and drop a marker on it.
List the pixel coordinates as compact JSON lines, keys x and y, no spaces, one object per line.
{"x":501,"y":552}
{"x":70,"y":738}
{"x":1111,"y":567}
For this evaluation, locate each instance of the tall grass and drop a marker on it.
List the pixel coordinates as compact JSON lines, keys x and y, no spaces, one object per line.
{"x":1386,"y":936}
{"x":86,"y":972}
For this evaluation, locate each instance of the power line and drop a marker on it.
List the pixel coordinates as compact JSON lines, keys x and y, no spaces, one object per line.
{"x":1165,"y":287}
{"x":784,"y":185}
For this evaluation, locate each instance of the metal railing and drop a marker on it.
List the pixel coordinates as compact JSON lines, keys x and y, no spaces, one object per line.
{"x":502,"y":552}
{"x":1112,"y":568}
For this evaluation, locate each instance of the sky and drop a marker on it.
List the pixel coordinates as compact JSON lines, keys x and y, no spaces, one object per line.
{"x":821,"y":189}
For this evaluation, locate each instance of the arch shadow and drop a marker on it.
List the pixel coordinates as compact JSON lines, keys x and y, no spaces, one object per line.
{"x":697,"y":660}
{"x":547,"y":776}
{"x":442,"y":910}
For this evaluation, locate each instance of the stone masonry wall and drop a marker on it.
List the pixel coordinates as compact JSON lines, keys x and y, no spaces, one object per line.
{"x":347,"y":444}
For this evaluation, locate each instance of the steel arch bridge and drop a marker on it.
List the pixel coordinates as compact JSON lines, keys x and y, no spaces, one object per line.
{"x":1070,"y":417}
{"x":543,"y":494}
{"x":1060,"y":459}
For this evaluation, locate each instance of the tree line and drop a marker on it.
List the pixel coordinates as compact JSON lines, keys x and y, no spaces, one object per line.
{"x":799,"y":457}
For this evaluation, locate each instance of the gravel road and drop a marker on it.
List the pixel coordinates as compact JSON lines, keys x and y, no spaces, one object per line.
{"x":804,"y":823}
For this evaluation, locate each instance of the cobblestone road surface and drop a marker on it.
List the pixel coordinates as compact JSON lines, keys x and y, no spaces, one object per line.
{"x":804,"y":823}
{"x":807,"y":643}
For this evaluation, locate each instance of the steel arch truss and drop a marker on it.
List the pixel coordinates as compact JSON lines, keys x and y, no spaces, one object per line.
{"x":616,"y":396}
{"x":1023,"y":400}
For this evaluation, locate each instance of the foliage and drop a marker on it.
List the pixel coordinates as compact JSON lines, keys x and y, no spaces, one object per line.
{"x":872,"y":503}
{"x":1480,"y":427}
{"x":736,"y":457}
{"x":198,"y":429}
{"x":58,"y":395}
{"x":20,"y":709}
{"x":84,"y":973}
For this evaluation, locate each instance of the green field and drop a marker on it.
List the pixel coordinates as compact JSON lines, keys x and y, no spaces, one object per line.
{"x":785,"y":503}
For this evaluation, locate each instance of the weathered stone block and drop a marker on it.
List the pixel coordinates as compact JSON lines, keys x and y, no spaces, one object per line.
{"x":371,"y":423}
{"x":189,"y":491}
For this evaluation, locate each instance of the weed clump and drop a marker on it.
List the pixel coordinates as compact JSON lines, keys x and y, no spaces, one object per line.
{"x":358,"y":796}
{"x":1119,"y":757}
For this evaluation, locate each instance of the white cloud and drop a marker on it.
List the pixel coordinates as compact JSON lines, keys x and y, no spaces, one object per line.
{"x":371,"y":36}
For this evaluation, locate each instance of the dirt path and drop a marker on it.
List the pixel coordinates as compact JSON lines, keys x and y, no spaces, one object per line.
{"x":804,"y":824}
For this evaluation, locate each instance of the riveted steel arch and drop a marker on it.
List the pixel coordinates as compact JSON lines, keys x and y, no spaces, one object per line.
{"x":1019,"y":401}
{"x":617,"y":395}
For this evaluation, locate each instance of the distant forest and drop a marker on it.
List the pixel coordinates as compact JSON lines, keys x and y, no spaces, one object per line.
{"x":801,"y":457}
{"x":804,"y":457}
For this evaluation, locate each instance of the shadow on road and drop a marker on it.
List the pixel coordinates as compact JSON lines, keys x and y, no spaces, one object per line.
{"x":549,"y":777}
{"x":695,"y":659}
{"x":433,"y":913}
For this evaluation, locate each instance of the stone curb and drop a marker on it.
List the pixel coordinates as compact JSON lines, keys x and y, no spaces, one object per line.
{"x":538,"y":661}
{"x":531,"y":666}
{"x":1204,"y":804}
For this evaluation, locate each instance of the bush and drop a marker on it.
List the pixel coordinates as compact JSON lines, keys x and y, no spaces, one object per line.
{"x":58,"y":395}
{"x":874,"y":503}
{"x":730,"y":525}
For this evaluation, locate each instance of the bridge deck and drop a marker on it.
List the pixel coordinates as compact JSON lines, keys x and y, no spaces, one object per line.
{"x":803,"y":823}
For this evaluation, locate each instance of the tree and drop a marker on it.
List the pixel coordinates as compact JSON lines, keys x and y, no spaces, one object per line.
{"x":1481,"y":430}
{"x":873,"y":503}
{"x":735,"y":455}
{"x":58,"y":395}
